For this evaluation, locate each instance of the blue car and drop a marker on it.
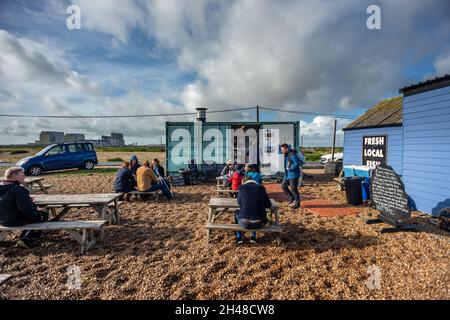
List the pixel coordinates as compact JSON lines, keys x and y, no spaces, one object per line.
{"x":68,"y":155}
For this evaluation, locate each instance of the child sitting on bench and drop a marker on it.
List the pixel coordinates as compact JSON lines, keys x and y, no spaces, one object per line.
{"x":236,"y":179}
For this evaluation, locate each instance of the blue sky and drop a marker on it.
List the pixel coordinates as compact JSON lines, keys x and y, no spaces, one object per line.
{"x":139,"y":56}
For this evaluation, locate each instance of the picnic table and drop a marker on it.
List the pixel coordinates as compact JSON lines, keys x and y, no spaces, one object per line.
{"x":219,"y":189}
{"x":217,"y":206}
{"x":33,"y":183}
{"x":105,"y":204}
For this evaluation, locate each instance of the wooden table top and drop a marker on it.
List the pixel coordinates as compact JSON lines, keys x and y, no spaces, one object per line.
{"x":232,"y":203}
{"x":67,"y":199}
{"x":33,"y":179}
{"x":28,"y":179}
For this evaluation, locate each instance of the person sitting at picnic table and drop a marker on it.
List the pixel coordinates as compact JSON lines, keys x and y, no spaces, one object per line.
{"x":251,"y":171}
{"x":228,"y":170}
{"x":159,"y":172}
{"x":253,"y":201}
{"x":227,"y":173}
{"x":148,"y":182}
{"x":236,"y":179}
{"x":124,"y":181}
{"x":134,"y":164}
{"x":17,"y":208}
{"x":158,"y":168}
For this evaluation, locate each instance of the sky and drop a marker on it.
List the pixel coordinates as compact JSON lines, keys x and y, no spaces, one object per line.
{"x":169,"y":56}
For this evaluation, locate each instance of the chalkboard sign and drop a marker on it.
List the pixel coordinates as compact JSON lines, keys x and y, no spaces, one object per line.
{"x":374,"y":150}
{"x":388,"y":195}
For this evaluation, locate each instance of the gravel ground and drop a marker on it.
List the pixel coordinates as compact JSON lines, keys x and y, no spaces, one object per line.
{"x":159,"y":252}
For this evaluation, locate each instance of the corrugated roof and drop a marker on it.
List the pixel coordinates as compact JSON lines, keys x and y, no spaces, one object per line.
{"x":431,"y":84}
{"x":388,"y":112}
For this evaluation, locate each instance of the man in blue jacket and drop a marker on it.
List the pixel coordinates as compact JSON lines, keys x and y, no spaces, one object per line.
{"x":253,"y":201}
{"x":17,"y":207}
{"x":292,"y":166}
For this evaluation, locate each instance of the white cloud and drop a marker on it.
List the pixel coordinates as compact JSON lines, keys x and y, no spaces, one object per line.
{"x":30,"y":68}
{"x":442,"y":65}
{"x":115,"y":18}
{"x":313,"y":55}
{"x":319,"y":131}
{"x":36,"y":78}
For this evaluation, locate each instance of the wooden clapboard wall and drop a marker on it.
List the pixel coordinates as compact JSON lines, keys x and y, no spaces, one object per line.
{"x":353,"y":142}
{"x":426,"y":148}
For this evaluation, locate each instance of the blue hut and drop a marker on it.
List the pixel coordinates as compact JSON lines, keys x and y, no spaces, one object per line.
{"x":411,"y":133}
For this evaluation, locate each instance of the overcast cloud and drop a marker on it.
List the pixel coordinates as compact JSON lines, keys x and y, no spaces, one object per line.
{"x":136,"y":56}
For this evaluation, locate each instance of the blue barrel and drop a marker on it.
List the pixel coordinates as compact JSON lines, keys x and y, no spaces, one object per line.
{"x":365,"y":188}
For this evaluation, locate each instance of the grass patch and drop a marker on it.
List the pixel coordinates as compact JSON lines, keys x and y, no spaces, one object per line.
{"x":86,"y":172}
{"x":131,"y":149}
{"x":314,"y":154}
{"x":115,"y":160}
{"x":313,"y":157}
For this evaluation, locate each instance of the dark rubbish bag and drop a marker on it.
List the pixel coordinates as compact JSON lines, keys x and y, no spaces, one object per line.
{"x":353,"y":190}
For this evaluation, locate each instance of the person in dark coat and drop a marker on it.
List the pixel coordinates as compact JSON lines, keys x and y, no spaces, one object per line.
{"x":253,"y":201}
{"x":125,"y":181}
{"x":134,"y":165}
{"x":17,"y":207}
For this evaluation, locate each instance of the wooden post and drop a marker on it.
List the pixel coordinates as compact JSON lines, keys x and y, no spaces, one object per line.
{"x":334,"y":140}
{"x":257,"y":113}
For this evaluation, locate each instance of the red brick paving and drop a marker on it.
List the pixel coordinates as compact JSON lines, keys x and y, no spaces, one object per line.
{"x":321,"y":207}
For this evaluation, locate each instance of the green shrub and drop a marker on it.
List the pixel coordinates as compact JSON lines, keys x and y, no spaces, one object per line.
{"x":115,"y":160}
{"x":313,"y":157}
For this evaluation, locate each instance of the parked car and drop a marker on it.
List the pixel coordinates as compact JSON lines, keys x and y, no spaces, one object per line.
{"x":68,"y":155}
{"x":327,"y":158}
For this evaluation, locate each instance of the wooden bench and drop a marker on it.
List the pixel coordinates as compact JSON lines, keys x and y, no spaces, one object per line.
{"x":81,"y":231}
{"x":218,"y":206}
{"x":235,"y":227}
{"x":138,"y":194}
{"x":44,"y":186}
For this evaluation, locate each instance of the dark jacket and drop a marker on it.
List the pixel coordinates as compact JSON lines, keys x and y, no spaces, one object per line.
{"x":253,"y":201}
{"x":16,"y":206}
{"x":160,"y":171}
{"x":292,"y":165}
{"x":125,"y":181}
